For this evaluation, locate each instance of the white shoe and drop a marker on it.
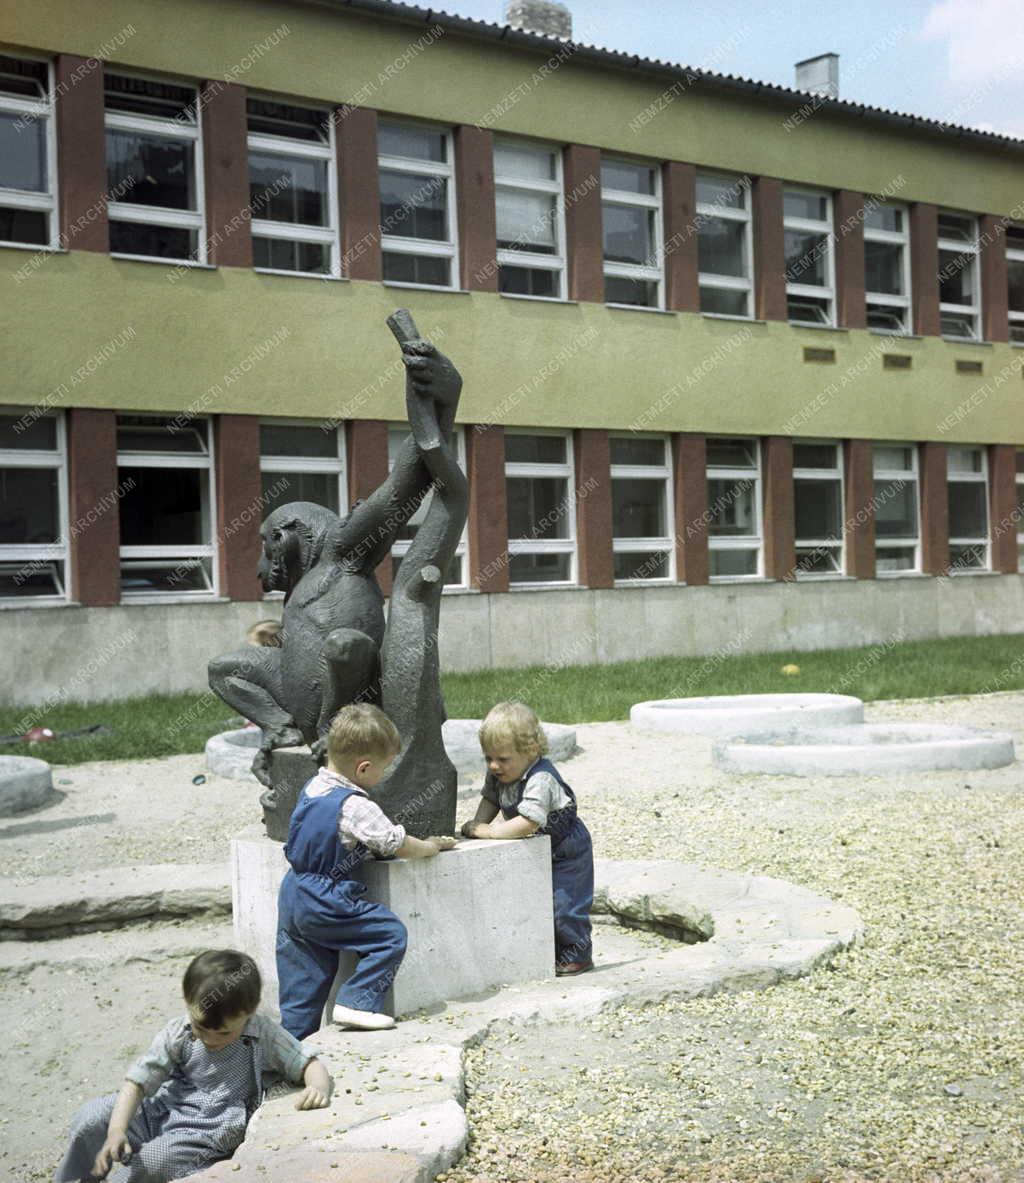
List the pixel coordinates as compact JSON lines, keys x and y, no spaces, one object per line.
{"x":362,"y":1020}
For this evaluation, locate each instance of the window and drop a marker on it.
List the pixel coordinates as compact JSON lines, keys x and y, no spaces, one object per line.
{"x":417,"y":201}
{"x":300,"y":461}
{"x":818,"y":507}
{"x":967,"y":476}
{"x":28,"y":187}
{"x":531,"y":234}
{"x":896,"y":501}
{"x":1015,"y":280}
{"x":723,"y":245}
{"x":642,"y":529}
{"x":540,"y":492}
{"x":734,"y":508}
{"x":887,"y":266}
{"x":1020,"y":509}
{"x":164,"y":465}
{"x":810,"y":262}
{"x":456,"y":574}
{"x":154,"y":170}
{"x":293,"y":193}
{"x":33,"y":506}
{"x":631,"y":221}
{"x":959,"y":306}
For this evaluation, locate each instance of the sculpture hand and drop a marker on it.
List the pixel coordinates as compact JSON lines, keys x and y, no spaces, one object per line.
{"x":432,"y":373}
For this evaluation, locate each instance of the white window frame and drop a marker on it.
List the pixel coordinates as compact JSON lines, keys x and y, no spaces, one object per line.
{"x":731,"y":283}
{"x":813,"y":226}
{"x":541,"y":546}
{"x":177,"y":129}
{"x":173,"y":556}
{"x":29,"y":199}
{"x":834,"y":474}
{"x":328,"y":235}
{"x":902,"y":240}
{"x":652,"y":201}
{"x":317,"y":465}
{"x":741,"y":541}
{"x":907,"y":476}
{"x":970,"y":478}
{"x":404,"y":245}
{"x":31,"y":554}
{"x":648,"y":472}
{"x":972,"y":248}
{"x":400,"y":548}
{"x":1016,"y":255}
{"x":1019,"y":475}
{"x":509,"y":257}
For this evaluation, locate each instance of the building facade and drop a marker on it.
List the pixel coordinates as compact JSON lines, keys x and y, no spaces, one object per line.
{"x":743,"y":365}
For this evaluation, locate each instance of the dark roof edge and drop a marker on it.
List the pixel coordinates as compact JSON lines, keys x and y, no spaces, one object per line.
{"x":489,"y":31}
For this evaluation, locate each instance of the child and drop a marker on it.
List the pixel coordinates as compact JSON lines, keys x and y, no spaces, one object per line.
{"x":264,"y":632}
{"x":532,"y":798}
{"x":321,"y":911}
{"x":185,"y":1104}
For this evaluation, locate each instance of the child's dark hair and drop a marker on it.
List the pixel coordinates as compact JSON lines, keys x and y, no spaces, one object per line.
{"x":221,"y":984}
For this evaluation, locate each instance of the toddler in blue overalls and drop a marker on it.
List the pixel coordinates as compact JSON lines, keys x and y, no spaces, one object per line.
{"x":532,"y":798}
{"x":321,"y":909}
{"x":185,"y":1104}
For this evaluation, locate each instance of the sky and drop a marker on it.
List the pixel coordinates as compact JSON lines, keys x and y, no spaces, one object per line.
{"x":960,"y":61}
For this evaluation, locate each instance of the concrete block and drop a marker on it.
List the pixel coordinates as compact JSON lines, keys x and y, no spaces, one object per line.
{"x":740,"y":714}
{"x":24,"y":783}
{"x":478,"y":916}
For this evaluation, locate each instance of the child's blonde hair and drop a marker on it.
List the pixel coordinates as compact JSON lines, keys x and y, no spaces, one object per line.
{"x":264,"y":632}
{"x":362,"y":730}
{"x":513,"y":723}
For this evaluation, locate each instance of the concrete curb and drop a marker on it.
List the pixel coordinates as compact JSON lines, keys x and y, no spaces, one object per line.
{"x":740,"y":714}
{"x":397,"y":1114}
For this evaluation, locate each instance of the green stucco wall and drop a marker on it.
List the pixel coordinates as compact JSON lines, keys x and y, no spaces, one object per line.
{"x":331,"y":55}
{"x":84,"y":329}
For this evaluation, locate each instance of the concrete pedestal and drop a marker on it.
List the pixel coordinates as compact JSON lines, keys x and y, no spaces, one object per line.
{"x":478,"y":916}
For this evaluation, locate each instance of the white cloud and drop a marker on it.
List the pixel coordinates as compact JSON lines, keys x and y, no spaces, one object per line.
{"x":984,"y":40}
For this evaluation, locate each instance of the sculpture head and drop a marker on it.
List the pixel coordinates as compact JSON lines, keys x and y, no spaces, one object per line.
{"x":293,"y":539}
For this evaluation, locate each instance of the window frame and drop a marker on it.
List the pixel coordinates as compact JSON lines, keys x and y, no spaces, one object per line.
{"x":316,"y":465}
{"x":126,"y":211}
{"x":730,"y":282}
{"x":655,"y":275}
{"x":739,"y":541}
{"x":836,"y":475}
{"x":902,"y":240}
{"x":971,"y":478}
{"x":540,"y":471}
{"x":406,"y":245}
{"x":813,"y":226}
{"x":906,"y":476}
{"x":42,"y":552}
{"x":153,"y":555}
{"x":508,"y":256}
{"x":29,"y":199}
{"x":1016,"y":319}
{"x":647,"y":472}
{"x":329,"y":235}
{"x":972,"y":248}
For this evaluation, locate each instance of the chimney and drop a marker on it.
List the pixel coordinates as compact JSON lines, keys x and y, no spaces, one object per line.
{"x":539,"y":16}
{"x":820,"y":74}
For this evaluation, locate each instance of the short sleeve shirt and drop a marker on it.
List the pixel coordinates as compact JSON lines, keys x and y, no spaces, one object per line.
{"x":542,"y":795}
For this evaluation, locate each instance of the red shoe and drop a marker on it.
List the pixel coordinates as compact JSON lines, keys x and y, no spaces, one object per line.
{"x":564,"y":969}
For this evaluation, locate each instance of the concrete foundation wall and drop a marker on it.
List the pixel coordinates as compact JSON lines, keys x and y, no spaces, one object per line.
{"x":59,"y":654}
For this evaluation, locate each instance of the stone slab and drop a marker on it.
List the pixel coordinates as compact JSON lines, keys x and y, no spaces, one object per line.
{"x":866,"y":749}
{"x":740,"y":714}
{"x":24,"y":783}
{"x":459,"y":908}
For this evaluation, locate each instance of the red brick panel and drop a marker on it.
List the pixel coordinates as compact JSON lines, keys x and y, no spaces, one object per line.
{"x":95,"y":533}
{"x":1002,"y":466}
{"x":994,"y":293}
{"x":81,"y":154}
{"x":594,"y":507}
{"x":226,"y":171}
{"x":849,"y":239}
{"x":859,"y":512}
{"x":679,"y":186}
{"x":924,"y":267}
{"x":367,"y":452}
{"x":358,"y":192}
{"x":584,"y":242}
{"x":769,"y":250}
{"x":779,"y":520}
{"x":934,"y":509}
{"x":474,"y":188}
{"x":488,"y":517}
{"x":689,"y":466}
{"x":239,"y":506}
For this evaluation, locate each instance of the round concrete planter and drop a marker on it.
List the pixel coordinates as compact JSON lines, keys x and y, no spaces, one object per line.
{"x":230,"y":753}
{"x":868,"y":749}
{"x":739,"y":714}
{"x":24,"y":783}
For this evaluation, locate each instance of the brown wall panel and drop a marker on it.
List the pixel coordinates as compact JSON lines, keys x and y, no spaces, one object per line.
{"x":358,"y":192}
{"x":859,"y":512}
{"x":226,"y":171}
{"x":584,"y":242}
{"x":81,"y":154}
{"x":95,"y":534}
{"x":924,"y":268}
{"x":239,"y":506}
{"x":849,"y":238}
{"x":593,"y":508}
{"x":779,"y":522}
{"x":679,"y":187}
{"x":474,"y":187}
{"x":769,"y":250}
{"x":934,"y":509}
{"x":488,"y":517}
{"x":689,"y":464}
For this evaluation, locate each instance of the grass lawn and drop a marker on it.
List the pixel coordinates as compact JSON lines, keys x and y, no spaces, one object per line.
{"x":167,"y":725}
